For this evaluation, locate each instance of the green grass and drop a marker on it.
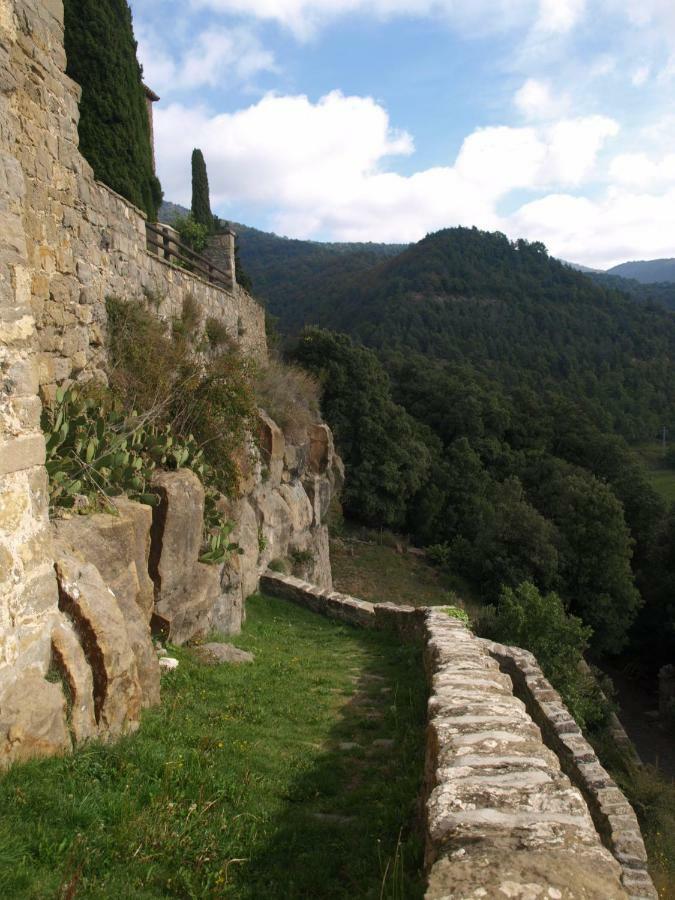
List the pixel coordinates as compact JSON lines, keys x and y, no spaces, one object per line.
{"x":216,"y":795}
{"x":378,"y":573}
{"x":652,"y":796}
{"x":661,"y":477}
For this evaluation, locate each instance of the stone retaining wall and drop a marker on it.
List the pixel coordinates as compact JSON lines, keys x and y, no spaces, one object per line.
{"x":407,"y":621}
{"x":28,"y":590}
{"x":66,"y":242}
{"x":83,"y":241}
{"x":517,"y":803}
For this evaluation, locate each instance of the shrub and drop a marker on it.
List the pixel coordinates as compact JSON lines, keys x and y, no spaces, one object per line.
{"x":440,"y":555}
{"x":166,"y":378}
{"x":217,"y":333}
{"x":189,"y":324}
{"x":192,"y":233}
{"x":289,"y":395}
{"x":455,"y":612}
{"x":300,"y":560}
{"x":539,"y":623}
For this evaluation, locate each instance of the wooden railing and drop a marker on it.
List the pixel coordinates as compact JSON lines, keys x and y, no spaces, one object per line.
{"x":162,"y":243}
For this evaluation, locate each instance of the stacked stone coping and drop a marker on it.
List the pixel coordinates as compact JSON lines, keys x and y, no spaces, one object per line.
{"x":408,"y":621}
{"x":505,"y":809}
{"x":614,"y":818}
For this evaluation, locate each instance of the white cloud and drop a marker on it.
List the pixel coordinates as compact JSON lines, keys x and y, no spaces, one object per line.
{"x":640,"y":76}
{"x":638,"y":170}
{"x":214,"y":58}
{"x":535,"y":100}
{"x":303,"y":17}
{"x":560,"y":16}
{"x":319,"y":169}
{"x":621,"y":225}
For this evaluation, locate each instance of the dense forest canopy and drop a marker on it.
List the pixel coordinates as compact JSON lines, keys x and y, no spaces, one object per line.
{"x":490,"y":417}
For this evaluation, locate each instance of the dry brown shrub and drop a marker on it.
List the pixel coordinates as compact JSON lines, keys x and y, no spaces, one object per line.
{"x":289,"y":395}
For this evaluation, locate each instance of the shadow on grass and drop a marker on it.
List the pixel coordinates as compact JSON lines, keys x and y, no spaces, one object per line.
{"x":258,"y":781}
{"x":350,"y":825}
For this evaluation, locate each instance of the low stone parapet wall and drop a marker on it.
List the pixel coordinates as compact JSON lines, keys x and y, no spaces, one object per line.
{"x":408,"y":621}
{"x":612,"y":814}
{"x":516,"y":801}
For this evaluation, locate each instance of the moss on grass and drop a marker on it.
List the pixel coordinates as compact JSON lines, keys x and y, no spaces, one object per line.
{"x":218,"y":793}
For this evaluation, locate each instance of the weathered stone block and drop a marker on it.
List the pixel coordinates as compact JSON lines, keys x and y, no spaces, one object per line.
{"x":101,"y":629}
{"x":24,"y":452}
{"x":69,"y":659}
{"x":32,"y":719}
{"x":119,"y":546}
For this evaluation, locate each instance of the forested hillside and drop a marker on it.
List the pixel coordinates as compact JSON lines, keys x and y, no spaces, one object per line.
{"x":284,"y":271}
{"x":489,"y":416}
{"x":519,"y":316}
{"x":661,"y":293}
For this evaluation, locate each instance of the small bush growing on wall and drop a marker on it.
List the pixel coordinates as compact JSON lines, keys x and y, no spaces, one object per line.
{"x":217,"y":333}
{"x":163,"y":374}
{"x":192,"y":233}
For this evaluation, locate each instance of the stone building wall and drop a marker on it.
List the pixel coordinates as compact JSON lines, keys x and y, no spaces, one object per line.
{"x":28,"y":590}
{"x":66,"y":242}
{"x":83,"y":241}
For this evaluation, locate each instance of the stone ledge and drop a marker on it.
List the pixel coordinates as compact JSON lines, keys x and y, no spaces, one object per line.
{"x":613,"y":816}
{"x":407,"y":621}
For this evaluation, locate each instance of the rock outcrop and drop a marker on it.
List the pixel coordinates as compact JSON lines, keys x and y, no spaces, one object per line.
{"x":91,"y":607}
{"x":119,"y":546}
{"x":280,"y":515}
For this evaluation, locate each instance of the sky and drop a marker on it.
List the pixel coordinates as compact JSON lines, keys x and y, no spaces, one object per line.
{"x":384,"y":120}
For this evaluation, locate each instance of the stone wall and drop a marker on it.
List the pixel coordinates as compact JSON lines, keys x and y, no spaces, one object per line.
{"x":66,"y":242}
{"x":82,"y":241}
{"x":31,"y":709}
{"x":516,"y":801}
{"x":612,"y":814}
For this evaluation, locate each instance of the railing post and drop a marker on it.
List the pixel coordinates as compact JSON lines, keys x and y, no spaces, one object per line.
{"x":166,"y":241}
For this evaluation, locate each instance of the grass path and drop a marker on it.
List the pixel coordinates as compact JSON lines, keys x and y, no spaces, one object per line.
{"x":376,"y":572}
{"x":293,"y":777}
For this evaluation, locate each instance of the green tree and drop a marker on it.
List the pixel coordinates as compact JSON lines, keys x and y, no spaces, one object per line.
{"x":539,"y":623}
{"x":201,"y":202}
{"x":595,"y":552}
{"x":114,"y":127}
{"x":515,"y":542}
{"x":384,"y":451}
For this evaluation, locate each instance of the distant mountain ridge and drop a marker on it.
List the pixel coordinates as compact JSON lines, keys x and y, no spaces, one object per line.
{"x":287,"y":272}
{"x":646,"y":271}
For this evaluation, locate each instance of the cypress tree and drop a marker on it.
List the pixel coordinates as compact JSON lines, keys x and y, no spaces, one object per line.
{"x":201,"y":203}
{"x":114,"y":128}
